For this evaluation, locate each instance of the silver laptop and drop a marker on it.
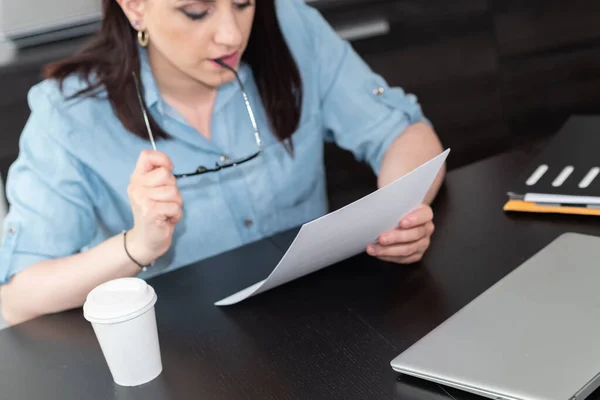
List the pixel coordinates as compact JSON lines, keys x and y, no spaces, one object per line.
{"x":535,"y":335}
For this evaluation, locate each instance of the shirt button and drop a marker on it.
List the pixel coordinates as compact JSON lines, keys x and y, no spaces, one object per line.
{"x":248,"y":223}
{"x":224,"y":158}
{"x":12,"y":230}
{"x":378,"y":91}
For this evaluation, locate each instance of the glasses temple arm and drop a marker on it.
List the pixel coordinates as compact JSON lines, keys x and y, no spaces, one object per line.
{"x":146,"y":120}
{"x":246,"y":101}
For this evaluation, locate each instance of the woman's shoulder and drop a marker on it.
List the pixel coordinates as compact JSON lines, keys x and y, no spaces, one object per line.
{"x":298,"y":21}
{"x":61,"y":94}
{"x":307,"y":33}
{"x":70,"y":122}
{"x":60,"y":105}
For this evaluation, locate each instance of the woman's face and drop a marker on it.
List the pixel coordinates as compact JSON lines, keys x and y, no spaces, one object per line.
{"x":190,"y":34}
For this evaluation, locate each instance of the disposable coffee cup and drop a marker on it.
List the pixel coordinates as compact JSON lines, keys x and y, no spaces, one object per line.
{"x":122,"y":315}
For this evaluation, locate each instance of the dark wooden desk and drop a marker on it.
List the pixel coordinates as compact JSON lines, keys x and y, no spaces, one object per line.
{"x":330,"y":335}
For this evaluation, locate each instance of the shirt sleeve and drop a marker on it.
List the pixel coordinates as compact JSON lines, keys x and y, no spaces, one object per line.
{"x":51,"y":214}
{"x":361,"y":112}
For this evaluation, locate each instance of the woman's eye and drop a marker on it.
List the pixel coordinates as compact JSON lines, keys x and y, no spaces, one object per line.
{"x":243,"y":5}
{"x":195,"y":13}
{"x":194,"y":16}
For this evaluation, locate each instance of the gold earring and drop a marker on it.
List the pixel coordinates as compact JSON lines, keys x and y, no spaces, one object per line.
{"x":143,"y":38}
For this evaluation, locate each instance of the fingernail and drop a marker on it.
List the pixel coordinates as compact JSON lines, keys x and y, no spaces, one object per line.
{"x":405,"y":223}
{"x":371,"y":250}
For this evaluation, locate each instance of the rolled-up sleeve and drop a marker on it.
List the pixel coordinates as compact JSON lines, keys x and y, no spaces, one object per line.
{"x":51,"y":214}
{"x":361,"y":112}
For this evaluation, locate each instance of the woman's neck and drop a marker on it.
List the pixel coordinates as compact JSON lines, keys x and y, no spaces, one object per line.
{"x":175,"y":84}
{"x":194,"y":100}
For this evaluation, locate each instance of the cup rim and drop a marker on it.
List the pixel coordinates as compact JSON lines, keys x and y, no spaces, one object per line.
{"x":123,"y":318}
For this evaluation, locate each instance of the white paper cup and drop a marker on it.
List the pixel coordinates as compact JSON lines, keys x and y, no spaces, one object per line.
{"x":122,"y":315}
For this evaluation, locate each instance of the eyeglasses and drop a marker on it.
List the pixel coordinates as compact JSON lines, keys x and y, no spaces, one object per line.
{"x":202,"y":169}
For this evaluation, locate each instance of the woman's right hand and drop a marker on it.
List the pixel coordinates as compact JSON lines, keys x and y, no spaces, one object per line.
{"x":156,"y":204}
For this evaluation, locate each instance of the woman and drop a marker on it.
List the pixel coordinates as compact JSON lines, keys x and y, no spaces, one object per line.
{"x":90,"y":202}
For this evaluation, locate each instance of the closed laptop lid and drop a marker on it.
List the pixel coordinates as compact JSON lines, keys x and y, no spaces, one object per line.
{"x":534,"y":335}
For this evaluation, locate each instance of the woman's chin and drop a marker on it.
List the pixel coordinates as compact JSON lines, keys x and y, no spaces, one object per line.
{"x":214,"y":77}
{"x":222,"y":77}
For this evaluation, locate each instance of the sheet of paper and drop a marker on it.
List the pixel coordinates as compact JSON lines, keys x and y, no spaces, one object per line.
{"x":348,"y":231}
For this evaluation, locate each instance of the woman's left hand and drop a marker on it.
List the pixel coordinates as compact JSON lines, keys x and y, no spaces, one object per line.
{"x":409,"y":241}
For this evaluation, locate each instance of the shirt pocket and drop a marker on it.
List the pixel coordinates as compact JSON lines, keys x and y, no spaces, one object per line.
{"x":295,"y":177}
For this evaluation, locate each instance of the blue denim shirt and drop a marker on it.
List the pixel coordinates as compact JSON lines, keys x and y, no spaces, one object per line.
{"x":68,"y":187}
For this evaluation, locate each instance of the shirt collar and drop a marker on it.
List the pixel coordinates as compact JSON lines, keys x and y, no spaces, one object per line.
{"x":152,"y":96}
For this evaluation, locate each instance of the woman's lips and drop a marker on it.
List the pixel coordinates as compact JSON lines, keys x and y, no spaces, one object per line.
{"x":231,"y":60}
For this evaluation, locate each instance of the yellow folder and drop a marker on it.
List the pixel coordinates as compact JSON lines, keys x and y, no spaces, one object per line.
{"x":525,"y":206}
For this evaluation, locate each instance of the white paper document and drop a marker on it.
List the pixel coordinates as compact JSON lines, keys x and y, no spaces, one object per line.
{"x":348,"y":231}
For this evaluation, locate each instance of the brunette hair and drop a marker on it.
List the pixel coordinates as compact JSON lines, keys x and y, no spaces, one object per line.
{"x":111,"y":56}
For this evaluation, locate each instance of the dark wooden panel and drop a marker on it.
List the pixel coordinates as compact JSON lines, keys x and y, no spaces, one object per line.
{"x":540,"y":92}
{"x":347,"y":180}
{"x":413,"y":23}
{"x":541,"y":25}
{"x":447,"y":59}
{"x":461,"y":102}
{"x":414,"y":13}
{"x":17,"y":85}
{"x":4,"y":165}
{"x":13,"y":119}
{"x":457,"y":82}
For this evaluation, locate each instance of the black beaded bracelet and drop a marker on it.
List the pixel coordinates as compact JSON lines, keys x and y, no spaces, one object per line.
{"x":143,"y":267}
